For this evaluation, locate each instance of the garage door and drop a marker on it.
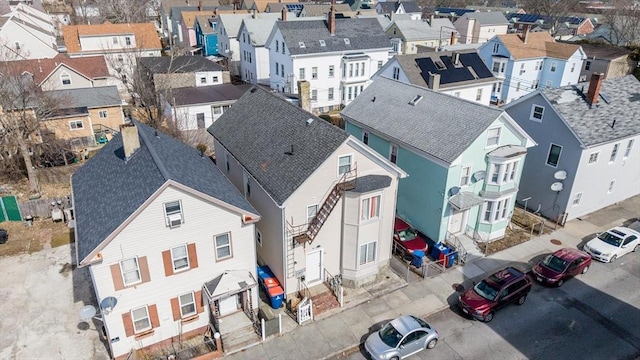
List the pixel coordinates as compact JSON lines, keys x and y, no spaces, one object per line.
{"x":228,"y":305}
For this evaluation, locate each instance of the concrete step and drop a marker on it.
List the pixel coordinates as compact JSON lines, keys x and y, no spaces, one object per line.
{"x":239,"y":338}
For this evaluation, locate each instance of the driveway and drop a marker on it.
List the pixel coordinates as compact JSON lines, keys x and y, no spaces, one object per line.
{"x":41,"y":300}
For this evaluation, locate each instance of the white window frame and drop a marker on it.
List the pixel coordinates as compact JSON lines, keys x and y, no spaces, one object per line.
{"x":479,"y":95}
{"x":554,"y":66}
{"x":218,"y":247}
{"x":496,"y":210}
{"x":180,"y":258}
{"x":614,"y":153}
{"x":370,"y":210}
{"x":127,"y":40}
{"x":314,"y":73}
{"x":368,"y":253}
{"x":496,"y":170}
{"x":64,"y":76}
{"x":340,"y":167}
{"x":393,"y":153}
{"x":465,"y":176}
{"x":124,"y":272}
{"x":533,"y":114}
{"x":146,"y":318}
{"x":546,"y":161}
{"x":171,"y":215}
{"x":312,"y":211}
{"x":191,"y":302}
{"x":497,"y":137}
{"x":330,"y":94}
{"x":627,"y":152}
{"x":612,"y":184}
{"x":576,"y":199}
{"x":203,"y":80}
{"x":73,"y":125}
{"x":593,"y":157}
{"x":301,"y":73}
{"x":103,"y":114}
{"x":396,"y":73}
{"x":332,"y":70}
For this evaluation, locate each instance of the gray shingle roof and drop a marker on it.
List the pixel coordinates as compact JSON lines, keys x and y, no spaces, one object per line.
{"x":106,"y":190}
{"x":179,"y":64}
{"x":259,"y":29}
{"x":363,"y":34}
{"x":593,"y":124}
{"x":95,"y":97}
{"x":411,"y":7}
{"x":441,"y":125}
{"x":259,"y":131}
{"x":368,"y":183}
{"x":487,"y":18}
{"x":206,"y":94}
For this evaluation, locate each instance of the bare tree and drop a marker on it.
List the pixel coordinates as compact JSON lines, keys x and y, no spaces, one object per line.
{"x":125,"y":11}
{"x":623,"y":22}
{"x":556,"y":10}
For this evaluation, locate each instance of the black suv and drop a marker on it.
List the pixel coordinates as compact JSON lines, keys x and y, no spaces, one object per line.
{"x":500,"y":289}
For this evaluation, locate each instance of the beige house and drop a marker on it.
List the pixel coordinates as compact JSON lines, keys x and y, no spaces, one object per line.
{"x":479,"y":27}
{"x":612,"y":61}
{"x":409,"y":35}
{"x":327,"y":200}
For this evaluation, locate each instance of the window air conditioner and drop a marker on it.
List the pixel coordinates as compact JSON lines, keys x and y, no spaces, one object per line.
{"x":174,"y":220}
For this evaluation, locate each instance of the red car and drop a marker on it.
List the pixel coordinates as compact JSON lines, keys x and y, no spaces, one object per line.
{"x":407,"y":239}
{"x":560,"y":265}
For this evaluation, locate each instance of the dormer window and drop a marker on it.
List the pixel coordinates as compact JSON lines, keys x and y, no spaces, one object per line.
{"x":65,"y":79}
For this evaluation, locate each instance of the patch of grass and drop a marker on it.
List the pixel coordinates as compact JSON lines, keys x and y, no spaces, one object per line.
{"x":62,"y":238}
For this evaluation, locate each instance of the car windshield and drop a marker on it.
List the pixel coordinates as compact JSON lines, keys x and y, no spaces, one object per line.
{"x":610,"y":239}
{"x":485,"y":290}
{"x":407,"y":234}
{"x":555,"y":263}
{"x":389,"y":335}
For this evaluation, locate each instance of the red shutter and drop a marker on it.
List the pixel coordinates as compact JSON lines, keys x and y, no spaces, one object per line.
{"x":128,"y":324}
{"x":193,"y":256}
{"x":168,"y":264}
{"x":116,"y":275}
{"x":198,"y":299}
{"x":153,"y":315}
{"x":175,"y":308}
{"x":144,"y":269}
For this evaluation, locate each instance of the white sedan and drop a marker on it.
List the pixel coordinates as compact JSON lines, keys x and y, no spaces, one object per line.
{"x":613,"y":243}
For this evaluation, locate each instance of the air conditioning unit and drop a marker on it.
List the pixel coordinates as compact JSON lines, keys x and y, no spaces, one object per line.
{"x":174,"y":220}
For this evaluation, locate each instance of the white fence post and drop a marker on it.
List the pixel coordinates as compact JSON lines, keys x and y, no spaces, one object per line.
{"x":262,"y":325}
{"x":280,"y":323}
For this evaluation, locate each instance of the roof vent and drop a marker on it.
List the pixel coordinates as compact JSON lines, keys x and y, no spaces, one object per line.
{"x":301,"y":44}
{"x":309,"y":121}
{"x":322,"y":43}
{"x":415,"y":100}
{"x":440,"y":65}
{"x":347,"y":42}
{"x":289,"y":152}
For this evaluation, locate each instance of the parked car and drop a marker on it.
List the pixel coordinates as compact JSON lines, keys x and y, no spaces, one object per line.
{"x":400,"y":338}
{"x":496,"y":291}
{"x":407,"y":238}
{"x":561,"y":265}
{"x":613,"y":243}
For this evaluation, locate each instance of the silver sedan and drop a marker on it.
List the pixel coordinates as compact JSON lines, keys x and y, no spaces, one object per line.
{"x":401,"y":338}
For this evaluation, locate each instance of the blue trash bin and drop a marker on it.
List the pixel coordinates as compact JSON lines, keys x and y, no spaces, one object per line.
{"x":276,"y":296}
{"x":417,"y":258}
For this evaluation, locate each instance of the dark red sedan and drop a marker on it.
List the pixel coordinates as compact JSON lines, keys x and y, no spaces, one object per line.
{"x":561,"y":265}
{"x":407,"y":239}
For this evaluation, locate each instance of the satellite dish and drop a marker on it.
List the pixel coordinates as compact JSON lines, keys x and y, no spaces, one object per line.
{"x":108,"y":303}
{"x":560,"y":175}
{"x":479,"y":175}
{"x":87,"y":312}
{"x":557,"y":186}
{"x":454,"y":190}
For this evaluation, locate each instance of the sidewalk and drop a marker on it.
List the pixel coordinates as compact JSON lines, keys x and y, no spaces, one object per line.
{"x":332,"y":335}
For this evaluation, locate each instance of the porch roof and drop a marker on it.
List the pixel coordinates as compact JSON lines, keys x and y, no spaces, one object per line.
{"x":229,"y":282}
{"x":508,"y":151}
{"x":369,"y":183}
{"x":465,"y":200}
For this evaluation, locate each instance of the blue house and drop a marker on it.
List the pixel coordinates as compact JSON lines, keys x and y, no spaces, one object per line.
{"x":207,"y":35}
{"x":464,"y":159}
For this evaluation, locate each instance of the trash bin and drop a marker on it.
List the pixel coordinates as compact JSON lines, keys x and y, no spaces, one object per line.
{"x":452,"y":259}
{"x":264,"y":273}
{"x":270,"y":282}
{"x":437,"y":250}
{"x":417,"y":258}
{"x":276,"y":295}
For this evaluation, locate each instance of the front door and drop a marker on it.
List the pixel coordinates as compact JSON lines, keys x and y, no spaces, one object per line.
{"x":228,"y":305}
{"x":313,"y":272}
{"x":456,"y":222}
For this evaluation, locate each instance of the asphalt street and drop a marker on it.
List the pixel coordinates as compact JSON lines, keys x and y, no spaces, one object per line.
{"x":593,"y":316}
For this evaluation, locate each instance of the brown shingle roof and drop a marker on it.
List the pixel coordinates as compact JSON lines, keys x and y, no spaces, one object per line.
{"x":92,"y":67}
{"x":145,"y":34}
{"x":539,"y":44}
{"x":189,"y":17}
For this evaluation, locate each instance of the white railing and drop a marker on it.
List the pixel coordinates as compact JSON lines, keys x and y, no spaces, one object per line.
{"x":305,"y":311}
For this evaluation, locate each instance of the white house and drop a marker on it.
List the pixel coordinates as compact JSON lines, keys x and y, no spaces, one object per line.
{"x":328,"y":201}
{"x":525,"y":62}
{"x":170,"y":72}
{"x":458,"y":73}
{"x":337,"y":57}
{"x":254,"y":56}
{"x":479,"y":27}
{"x":588,"y":153}
{"x":164,"y":245}
{"x":28,"y":33}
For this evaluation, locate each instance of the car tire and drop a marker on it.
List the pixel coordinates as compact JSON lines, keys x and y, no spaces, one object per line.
{"x":584,"y":271}
{"x":636,"y":248}
{"x":560,"y":282}
{"x":489,"y":317}
{"x":521,"y":299}
{"x":395,"y":358}
{"x":613,"y":258}
{"x":432,"y":343}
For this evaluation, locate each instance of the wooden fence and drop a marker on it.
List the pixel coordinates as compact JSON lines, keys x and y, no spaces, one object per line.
{"x":41,"y":208}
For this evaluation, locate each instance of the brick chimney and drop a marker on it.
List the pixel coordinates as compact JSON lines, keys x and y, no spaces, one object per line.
{"x":332,"y":18}
{"x":200,"y":6}
{"x":283,"y":16}
{"x":434,"y":81}
{"x":304,"y":96}
{"x":525,"y":34}
{"x":130,"y":139}
{"x":594,"y":88}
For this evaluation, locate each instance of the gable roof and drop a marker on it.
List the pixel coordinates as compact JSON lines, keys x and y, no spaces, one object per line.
{"x":160,"y":159}
{"x":539,"y":44}
{"x":189,"y":17}
{"x":205,"y":23}
{"x":145,"y":34}
{"x":260,"y":142}
{"x":437,"y":124}
{"x":206,"y":94}
{"x":487,"y":18}
{"x":619,"y":102}
{"x":410,"y":7}
{"x":178,"y":64}
{"x":470,"y":71}
{"x":604,"y":51}
{"x":258,"y":29}
{"x":95,"y":97}
{"x":232,"y":22}
{"x":323,"y":9}
{"x":362,"y":34}
{"x":421,"y":30}
{"x":91,"y":67}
